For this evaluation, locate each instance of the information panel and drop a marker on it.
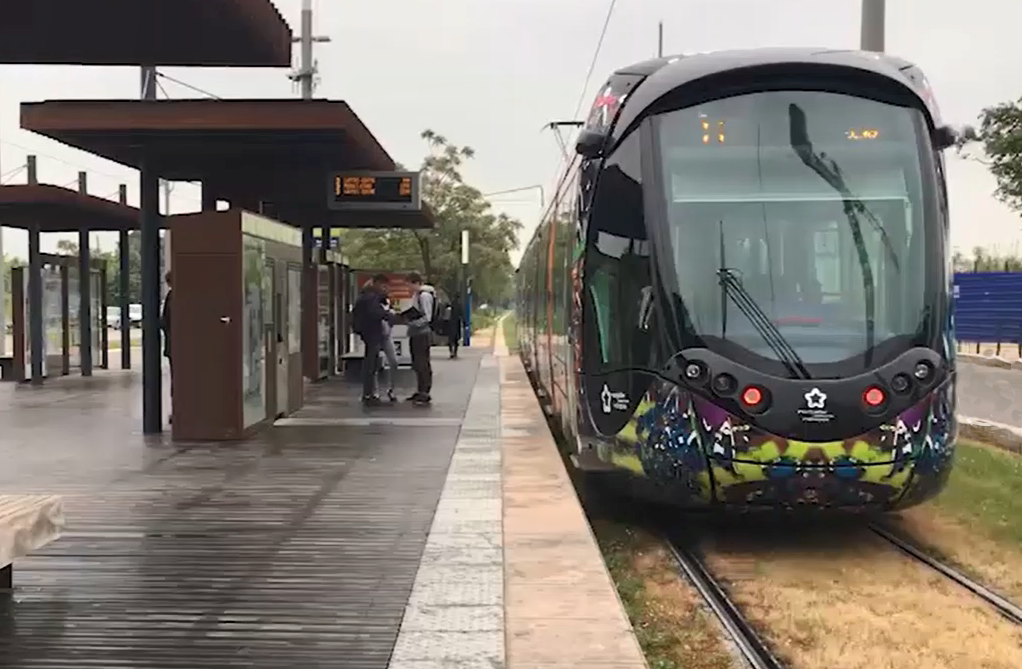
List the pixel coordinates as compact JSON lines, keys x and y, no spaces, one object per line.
{"x":368,"y":191}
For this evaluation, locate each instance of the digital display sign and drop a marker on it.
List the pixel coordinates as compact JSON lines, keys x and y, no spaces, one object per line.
{"x":374,"y":191}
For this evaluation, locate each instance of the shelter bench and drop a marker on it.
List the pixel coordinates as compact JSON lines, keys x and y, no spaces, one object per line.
{"x":27,"y":523}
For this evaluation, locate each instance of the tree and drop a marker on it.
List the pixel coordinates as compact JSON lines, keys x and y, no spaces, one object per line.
{"x":457,"y":206}
{"x":1000,"y":133}
{"x":113,"y":269}
{"x":983,"y":260}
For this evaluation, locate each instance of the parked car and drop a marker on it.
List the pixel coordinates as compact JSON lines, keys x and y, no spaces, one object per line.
{"x":135,"y":315}
{"x":113,"y":318}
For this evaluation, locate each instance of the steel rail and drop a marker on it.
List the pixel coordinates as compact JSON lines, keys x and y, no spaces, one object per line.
{"x":738,"y":628}
{"x":1008,"y":609}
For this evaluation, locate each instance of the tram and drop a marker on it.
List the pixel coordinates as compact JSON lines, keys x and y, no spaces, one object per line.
{"x":740,"y":297}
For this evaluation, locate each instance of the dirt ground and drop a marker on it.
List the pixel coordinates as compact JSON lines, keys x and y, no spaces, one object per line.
{"x":844,"y":599}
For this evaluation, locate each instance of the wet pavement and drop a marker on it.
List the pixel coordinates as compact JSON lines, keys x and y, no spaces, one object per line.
{"x":297,"y":549}
{"x":990,"y":393}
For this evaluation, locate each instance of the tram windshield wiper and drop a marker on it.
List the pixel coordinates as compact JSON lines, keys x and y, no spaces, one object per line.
{"x":731,"y":287}
{"x":803,"y":148}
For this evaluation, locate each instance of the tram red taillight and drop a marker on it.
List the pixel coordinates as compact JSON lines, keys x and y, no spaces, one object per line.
{"x":752,"y":396}
{"x":874,"y":397}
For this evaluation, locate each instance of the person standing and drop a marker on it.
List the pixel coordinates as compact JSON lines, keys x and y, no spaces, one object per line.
{"x":165,"y":316}
{"x":420,"y":334}
{"x":367,"y":317}
{"x":454,"y":325}
{"x":388,"y":343}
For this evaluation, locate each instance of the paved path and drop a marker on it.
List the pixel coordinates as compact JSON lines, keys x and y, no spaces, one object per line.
{"x":990,"y":393}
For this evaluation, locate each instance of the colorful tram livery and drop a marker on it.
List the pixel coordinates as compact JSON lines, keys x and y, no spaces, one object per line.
{"x":740,"y":296}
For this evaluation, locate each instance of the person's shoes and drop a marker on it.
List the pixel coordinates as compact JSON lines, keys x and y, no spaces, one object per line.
{"x":371,"y":401}
{"x":413,"y":397}
{"x":423,"y":401}
{"x":391,"y":397}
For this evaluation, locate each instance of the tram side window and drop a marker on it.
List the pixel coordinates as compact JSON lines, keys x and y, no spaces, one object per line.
{"x":617,"y":263}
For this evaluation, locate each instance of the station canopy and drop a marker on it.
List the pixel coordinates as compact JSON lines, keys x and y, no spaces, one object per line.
{"x":212,"y":33}
{"x":57,"y":209}
{"x":281,"y":152}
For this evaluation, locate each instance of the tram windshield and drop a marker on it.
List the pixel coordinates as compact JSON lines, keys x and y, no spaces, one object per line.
{"x":808,"y":215}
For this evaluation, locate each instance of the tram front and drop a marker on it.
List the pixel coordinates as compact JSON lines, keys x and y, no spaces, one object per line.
{"x":775,"y":238}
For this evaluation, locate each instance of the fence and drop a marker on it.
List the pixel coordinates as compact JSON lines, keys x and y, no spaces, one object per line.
{"x":988,"y":308}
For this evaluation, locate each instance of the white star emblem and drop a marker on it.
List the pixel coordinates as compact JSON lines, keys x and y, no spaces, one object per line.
{"x":816,"y":399}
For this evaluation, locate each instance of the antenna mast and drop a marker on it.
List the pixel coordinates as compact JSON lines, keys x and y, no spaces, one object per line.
{"x":305,"y":75}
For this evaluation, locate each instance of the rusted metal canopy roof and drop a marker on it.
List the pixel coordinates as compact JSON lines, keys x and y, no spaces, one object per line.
{"x":276,"y":151}
{"x":222,"y":33}
{"x":56,"y":209}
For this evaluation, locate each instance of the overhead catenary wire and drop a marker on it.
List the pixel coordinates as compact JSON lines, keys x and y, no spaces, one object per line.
{"x":566,"y":158}
{"x":596,"y":55}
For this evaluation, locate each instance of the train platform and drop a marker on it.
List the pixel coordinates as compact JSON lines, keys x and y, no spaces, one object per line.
{"x":394,"y":538}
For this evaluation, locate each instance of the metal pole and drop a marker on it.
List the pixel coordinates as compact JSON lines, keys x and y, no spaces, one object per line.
{"x":149,"y":213}
{"x":124,"y":285}
{"x":85,"y":314}
{"x":660,"y":40}
{"x":35,"y":290}
{"x":465,"y":294}
{"x":306,"y":50}
{"x":305,"y":75}
{"x":873,"y":25}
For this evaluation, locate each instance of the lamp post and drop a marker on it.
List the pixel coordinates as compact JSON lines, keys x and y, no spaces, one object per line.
{"x":466,"y":288}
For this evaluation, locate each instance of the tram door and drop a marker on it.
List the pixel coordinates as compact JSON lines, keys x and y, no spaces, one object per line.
{"x":280,"y":317}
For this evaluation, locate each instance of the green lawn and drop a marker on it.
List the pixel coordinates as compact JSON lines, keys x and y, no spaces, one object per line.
{"x":511,"y":332}
{"x":986,"y":490}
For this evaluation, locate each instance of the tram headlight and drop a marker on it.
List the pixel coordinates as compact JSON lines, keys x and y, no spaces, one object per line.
{"x":724,"y":384}
{"x":923,"y":371}
{"x":694,"y":371}
{"x":901,"y":383}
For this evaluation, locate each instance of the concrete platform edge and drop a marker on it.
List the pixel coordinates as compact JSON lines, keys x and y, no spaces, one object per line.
{"x":562,"y":607}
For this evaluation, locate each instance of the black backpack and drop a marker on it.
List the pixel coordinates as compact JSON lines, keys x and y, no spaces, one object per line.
{"x":434,"y":320}
{"x":358,"y":314}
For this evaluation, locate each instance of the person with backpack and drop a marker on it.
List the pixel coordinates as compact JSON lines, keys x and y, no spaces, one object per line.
{"x":453,"y":325}
{"x":367,"y":317}
{"x":420,"y":335}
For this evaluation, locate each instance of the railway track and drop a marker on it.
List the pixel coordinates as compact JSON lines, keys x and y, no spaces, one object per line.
{"x":738,"y":628}
{"x":1006,"y":608}
{"x":751,"y":646}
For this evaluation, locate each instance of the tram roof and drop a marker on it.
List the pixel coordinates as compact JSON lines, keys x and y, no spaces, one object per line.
{"x":663,"y":75}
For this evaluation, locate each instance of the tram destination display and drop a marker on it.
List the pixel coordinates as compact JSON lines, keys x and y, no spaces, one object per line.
{"x":367,"y":191}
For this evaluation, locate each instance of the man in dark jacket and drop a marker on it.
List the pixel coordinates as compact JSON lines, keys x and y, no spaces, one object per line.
{"x":367,"y":316}
{"x":454,"y":325}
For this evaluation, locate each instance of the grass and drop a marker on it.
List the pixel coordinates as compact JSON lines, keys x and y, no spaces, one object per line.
{"x":976,"y":522}
{"x":511,"y":333}
{"x":483,"y":319}
{"x":985,"y":491}
{"x":669,"y":624}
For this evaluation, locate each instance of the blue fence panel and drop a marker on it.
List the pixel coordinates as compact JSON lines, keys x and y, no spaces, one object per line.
{"x":988,"y":306}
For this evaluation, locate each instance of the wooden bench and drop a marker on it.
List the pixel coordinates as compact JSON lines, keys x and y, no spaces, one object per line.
{"x":27,"y":523}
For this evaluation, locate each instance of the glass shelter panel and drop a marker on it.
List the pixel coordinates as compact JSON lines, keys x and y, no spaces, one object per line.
{"x":253,"y":388}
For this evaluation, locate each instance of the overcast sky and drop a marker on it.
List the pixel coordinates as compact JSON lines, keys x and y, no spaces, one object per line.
{"x":491,"y":73}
